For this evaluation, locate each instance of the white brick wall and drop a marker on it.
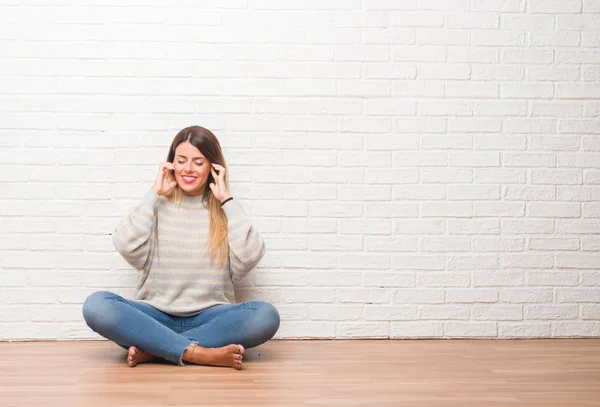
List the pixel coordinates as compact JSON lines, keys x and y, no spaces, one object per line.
{"x":418,"y":168}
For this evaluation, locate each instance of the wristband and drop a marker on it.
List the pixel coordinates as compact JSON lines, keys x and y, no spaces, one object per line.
{"x":227,"y":200}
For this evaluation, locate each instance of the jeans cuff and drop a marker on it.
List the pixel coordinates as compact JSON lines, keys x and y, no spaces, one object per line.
{"x":181,"y":362}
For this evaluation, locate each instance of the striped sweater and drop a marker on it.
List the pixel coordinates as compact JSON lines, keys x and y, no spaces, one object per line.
{"x":168,"y":245}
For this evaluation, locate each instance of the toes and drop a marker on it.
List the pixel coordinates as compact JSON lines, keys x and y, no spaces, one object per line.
{"x":238,"y":349}
{"x":132,"y":352}
{"x":132,"y":355}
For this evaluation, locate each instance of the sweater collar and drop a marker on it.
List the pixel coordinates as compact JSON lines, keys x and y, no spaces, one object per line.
{"x":194,"y":201}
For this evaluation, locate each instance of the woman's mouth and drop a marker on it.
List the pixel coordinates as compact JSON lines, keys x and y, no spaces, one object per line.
{"x":187,"y":179}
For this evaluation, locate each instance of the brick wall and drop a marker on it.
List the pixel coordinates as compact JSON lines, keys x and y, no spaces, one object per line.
{"x":418,"y":168}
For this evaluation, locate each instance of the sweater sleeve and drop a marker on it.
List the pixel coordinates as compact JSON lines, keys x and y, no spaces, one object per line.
{"x":133,"y":236}
{"x":246,"y":245}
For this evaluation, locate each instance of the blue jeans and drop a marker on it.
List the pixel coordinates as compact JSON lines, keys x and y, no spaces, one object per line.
{"x":128,"y":322}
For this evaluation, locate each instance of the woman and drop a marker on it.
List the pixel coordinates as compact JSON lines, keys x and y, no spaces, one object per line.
{"x":190,"y":243}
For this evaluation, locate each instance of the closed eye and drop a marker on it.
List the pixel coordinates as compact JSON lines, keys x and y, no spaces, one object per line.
{"x":183,"y":162}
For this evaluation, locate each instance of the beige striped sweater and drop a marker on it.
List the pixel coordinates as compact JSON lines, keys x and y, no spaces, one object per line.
{"x":168,"y":245}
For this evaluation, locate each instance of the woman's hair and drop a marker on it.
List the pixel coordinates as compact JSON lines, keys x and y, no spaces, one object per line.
{"x":205,"y":141}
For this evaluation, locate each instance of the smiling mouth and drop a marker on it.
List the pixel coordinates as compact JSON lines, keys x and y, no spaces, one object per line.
{"x":188,"y":179}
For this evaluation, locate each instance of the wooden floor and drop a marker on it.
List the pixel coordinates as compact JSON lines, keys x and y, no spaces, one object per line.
{"x":482,"y":373}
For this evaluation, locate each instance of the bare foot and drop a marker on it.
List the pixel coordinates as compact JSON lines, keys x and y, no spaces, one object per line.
{"x":136,"y":356}
{"x":229,"y":356}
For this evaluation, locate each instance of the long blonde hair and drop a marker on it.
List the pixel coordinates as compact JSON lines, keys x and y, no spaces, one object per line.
{"x":205,"y":141}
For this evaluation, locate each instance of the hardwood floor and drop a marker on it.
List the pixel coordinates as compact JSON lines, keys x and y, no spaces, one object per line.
{"x":482,"y":373}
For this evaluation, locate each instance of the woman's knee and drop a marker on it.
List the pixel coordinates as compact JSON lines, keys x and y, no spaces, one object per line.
{"x":95,"y":308}
{"x":269,"y":317}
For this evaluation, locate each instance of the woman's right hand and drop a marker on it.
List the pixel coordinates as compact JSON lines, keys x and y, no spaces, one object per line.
{"x":162,"y":184}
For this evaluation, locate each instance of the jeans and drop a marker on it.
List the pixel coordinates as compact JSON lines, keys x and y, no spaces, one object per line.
{"x":128,"y":322}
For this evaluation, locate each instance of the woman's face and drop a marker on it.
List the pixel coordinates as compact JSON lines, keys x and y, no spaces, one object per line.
{"x":191,"y":169}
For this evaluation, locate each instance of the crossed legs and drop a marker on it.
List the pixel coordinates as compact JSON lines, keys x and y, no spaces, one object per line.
{"x":217,"y":336}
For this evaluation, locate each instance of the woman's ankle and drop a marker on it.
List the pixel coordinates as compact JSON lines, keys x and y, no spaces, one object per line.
{"x":189,"y":353}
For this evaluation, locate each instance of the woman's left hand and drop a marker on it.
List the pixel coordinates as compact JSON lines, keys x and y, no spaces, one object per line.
{"x":218,"y":188}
